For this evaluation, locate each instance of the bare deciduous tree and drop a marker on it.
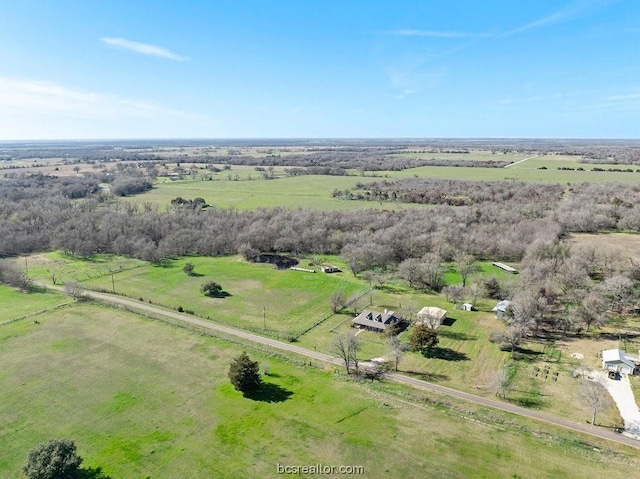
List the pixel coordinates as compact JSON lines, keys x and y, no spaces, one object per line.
{"x":356,"y":303}
{"x":346,"y":347}
{"x":454,"y":293}
{"x":433,"y":271}
{"x":409,"y":309}
{"x":595,"y":395}
{"x":338,"y":301}
{"x":465,"y":265}
{"x":500,"y":382}
{"x":412,"y":271}
{"x":74,"y":290}
{"x":396,"y":350}
{"x":591,"y":310}
{"x":475,"y":291}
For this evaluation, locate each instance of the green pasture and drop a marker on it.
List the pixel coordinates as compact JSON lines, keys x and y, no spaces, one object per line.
{"x":45,"y":266}
{"x":143,"y":399}
{"x":16,"y":304}
{"x":294,"y":192}
{"x":522,"y":172}
{"x":477,"y":155}
{"x":485,"y":270}
{"x":290,"y":300}
{"x":314,"y":191}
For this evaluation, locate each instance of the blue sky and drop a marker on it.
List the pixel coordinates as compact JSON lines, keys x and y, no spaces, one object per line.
{"x":310,"y":69}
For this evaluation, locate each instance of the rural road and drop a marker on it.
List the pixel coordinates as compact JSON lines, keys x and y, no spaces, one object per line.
{"x":520,"y":161}
{"x":400,"y":378}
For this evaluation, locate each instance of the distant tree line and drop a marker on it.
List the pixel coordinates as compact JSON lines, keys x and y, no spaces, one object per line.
{"x":436,"y":191}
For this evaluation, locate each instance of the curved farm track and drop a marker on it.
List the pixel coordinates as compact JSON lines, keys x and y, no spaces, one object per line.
{"x":400,"y":378}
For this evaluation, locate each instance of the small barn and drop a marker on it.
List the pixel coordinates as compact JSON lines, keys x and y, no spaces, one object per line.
{"x":467,"y":307}
{"x":505,"y":267}
{"x":431,"y":316}
{"x":618,"y":361}
{"x":372,"y":321}
{"x":330,"y":269}
{"x":501,"y":309}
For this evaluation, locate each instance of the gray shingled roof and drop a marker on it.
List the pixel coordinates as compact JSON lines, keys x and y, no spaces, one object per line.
{"x":372,"y":319}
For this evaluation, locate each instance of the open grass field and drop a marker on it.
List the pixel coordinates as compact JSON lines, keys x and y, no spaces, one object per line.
{"x":484,"y":270}
{"x":477,"y":155}
{"x":627,"y":243}
{"x":234,"y":189}
{"x":45,"y":266}
{"x":522,"y":172}
{"x":292,"y":300}
{"x":294,"y":192}
{"x":143,"y":399}
{"x":16,"y":304}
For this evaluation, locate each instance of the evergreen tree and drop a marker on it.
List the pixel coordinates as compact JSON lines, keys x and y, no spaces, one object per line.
{"x":244,"y":374}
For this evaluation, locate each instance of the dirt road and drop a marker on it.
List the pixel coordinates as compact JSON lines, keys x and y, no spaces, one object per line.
{"x":417,"y":383}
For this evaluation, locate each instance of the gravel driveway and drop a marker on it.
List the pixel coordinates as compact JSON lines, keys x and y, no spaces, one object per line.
{"x":622,"y":394}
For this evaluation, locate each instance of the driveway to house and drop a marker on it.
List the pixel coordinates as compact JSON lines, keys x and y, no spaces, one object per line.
{"x":622,"y":394}
{"x":400,"y":378}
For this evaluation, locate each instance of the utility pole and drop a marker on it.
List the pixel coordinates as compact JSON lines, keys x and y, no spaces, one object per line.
{"x":264,"y":318}
{"x":113,"y":284}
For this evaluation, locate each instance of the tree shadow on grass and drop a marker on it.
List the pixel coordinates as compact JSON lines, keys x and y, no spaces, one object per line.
{"x":526,"y":353}
{"x":221,"y":294}
{"x":269,"y":392}
{"x":91,"y":473}
{"x":431,"y":377}
{"x":457,"y":335}
{"x":527,"y":401}
{"x":163,"y":263}
{"x":445,"y":354}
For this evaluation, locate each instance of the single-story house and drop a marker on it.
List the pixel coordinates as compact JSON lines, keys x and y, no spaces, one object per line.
{"x":373,"y":321}
{"x":501,"y":309}
{"x":618,"y":361}
{"x":431,"y":316}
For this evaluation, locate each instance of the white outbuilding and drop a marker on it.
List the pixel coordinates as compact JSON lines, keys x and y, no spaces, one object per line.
{"x":431,"y":316}
{"x":618,"y":361}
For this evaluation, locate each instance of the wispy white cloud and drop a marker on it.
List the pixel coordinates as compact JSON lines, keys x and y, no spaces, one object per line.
{"x":630,"y":96}
{"x":433,"y":34}
{"x":50,"y":98}
{"x":551,"y":97}
{"x":563,"y":15}
{"x":142,"y":48}
{"x":404,"y":94}
{"x":566,"y":14}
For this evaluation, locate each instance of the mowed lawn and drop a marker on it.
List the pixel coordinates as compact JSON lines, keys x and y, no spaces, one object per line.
{"x":16,"y":304}
{"x":144,"y":399}
{"x":289,"y":300}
